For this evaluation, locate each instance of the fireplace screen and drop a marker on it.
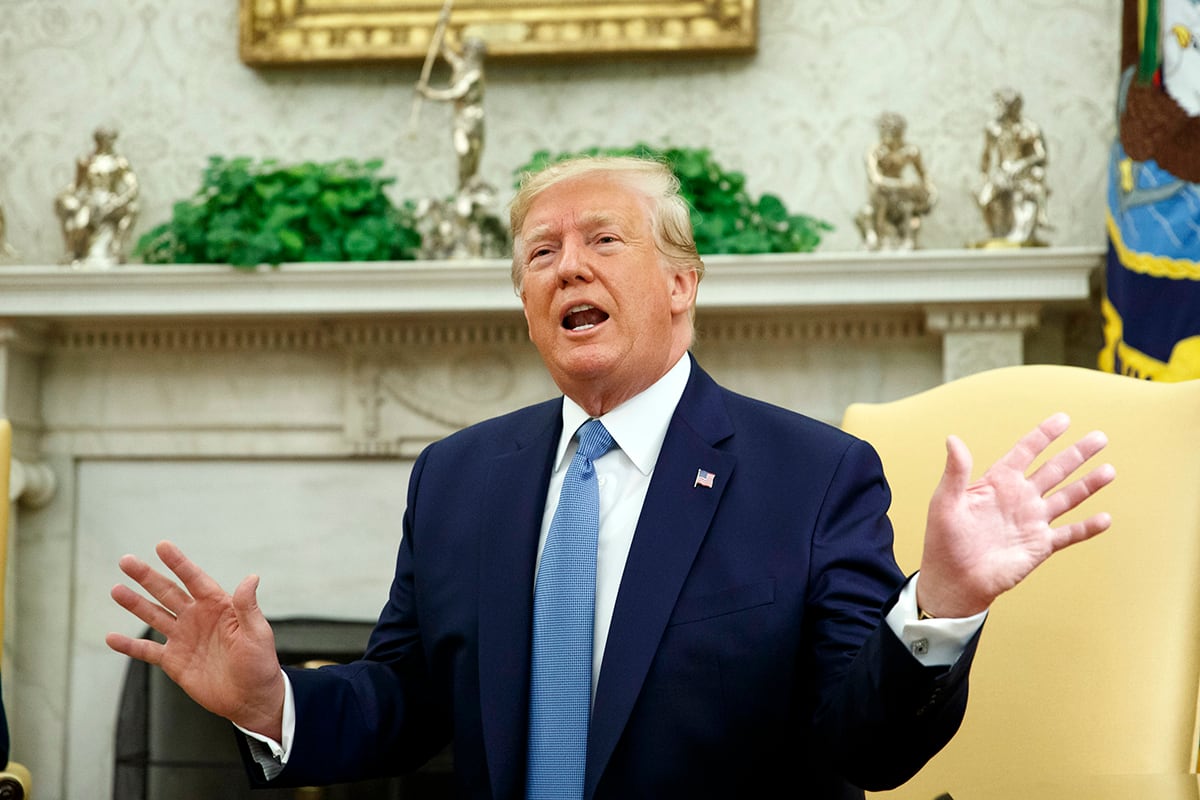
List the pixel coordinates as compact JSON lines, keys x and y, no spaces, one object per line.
{"x":169,"y":748}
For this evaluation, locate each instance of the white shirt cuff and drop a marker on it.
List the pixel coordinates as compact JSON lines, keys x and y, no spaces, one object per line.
{"x":933,"y":642}
{"x":271,"y":755}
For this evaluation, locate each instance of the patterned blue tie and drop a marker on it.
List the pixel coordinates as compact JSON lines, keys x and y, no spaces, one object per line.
{"x":564,"y":601}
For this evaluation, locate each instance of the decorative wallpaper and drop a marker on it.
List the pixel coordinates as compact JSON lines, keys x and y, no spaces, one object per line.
{"x":796,"y":117}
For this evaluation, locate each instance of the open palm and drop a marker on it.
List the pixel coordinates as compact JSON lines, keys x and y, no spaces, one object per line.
{"x":984,"y":537}
{"x":219,"y":647}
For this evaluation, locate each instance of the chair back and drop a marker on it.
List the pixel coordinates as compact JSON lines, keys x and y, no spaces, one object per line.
{"x":1091,"y":667}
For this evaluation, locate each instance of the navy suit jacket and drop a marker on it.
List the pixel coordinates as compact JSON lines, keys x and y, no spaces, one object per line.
{"x":746,"y":652}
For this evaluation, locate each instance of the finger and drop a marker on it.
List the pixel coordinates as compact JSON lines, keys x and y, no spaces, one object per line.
{"x":152,"y":614}
{"x":1059,"y":468}
{"x":1034,"y":443}
{"x":1067,"y":535}
{"x":197,"y":581}
{"x":160,"y":587}
{"x":1076,"y":492}
{"x":141,"y":649}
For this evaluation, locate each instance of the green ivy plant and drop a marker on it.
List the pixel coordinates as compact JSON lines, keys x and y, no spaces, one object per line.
{"x":726,"y":219}
{"x":249,"y":212}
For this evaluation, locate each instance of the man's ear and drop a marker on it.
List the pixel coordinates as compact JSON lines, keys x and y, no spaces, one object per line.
{"x":684,"y":284}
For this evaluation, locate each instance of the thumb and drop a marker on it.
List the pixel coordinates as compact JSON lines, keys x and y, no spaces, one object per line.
{"x":245,"y":605}
{"x":957,"y":474}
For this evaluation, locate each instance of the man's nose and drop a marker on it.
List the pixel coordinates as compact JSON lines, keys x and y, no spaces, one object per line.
{"x":574,"y":263}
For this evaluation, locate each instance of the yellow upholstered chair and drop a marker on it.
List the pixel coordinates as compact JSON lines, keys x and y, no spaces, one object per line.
{"x":1086,"y":679}
{"x":14,"y":779}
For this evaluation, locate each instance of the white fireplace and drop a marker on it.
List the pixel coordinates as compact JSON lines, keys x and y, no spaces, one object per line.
{"x":266,"y":421}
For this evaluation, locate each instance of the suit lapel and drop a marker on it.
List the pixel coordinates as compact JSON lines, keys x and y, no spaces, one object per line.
{"x":674,"y":520}
{"x":510,"y":513}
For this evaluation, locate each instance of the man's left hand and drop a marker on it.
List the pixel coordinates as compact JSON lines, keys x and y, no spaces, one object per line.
{"x":983,"y":537}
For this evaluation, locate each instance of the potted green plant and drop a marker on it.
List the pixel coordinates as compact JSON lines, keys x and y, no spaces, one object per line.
{"x":249,"y":212}
{"x":726,"y":219}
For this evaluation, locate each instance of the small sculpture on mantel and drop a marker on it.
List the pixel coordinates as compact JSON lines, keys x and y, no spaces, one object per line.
{"x":899,"y":191}
{"x":465,"y":90}
{"x":464,"y":225}
{"x":98,"y":209}
{"x":1013,"y":195}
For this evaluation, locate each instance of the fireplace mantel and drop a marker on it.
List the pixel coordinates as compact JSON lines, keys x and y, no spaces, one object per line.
{"x":267,"y":419}
{"x":92,"y":358}
{"x":795,"y":282}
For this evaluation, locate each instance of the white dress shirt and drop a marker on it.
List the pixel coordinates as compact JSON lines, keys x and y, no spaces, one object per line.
{"x":638,"y":426}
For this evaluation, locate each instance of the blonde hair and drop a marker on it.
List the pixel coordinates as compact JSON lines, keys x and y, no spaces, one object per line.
{"x":670,"y":216}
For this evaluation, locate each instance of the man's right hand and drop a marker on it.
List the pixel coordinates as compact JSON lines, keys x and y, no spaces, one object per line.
{"x":219,"y":647}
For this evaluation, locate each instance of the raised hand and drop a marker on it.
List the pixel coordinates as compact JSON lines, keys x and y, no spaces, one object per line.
{"x":219,"y":647}
{"x":983,"y":537}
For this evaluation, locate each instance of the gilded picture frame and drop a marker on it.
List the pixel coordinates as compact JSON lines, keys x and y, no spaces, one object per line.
{"x":287,"y":32}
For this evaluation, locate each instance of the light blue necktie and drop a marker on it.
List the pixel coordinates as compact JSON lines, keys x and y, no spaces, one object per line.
{"x":564,"y":602}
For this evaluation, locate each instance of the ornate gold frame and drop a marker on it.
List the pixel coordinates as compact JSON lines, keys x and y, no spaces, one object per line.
{"x":280,"y":32}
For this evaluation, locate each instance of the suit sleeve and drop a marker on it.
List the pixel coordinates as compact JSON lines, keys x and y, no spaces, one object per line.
{"x":373,"y":717}
{"x":880,"y":714}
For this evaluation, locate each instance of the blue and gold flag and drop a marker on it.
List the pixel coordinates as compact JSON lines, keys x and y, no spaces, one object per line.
{"x":1152,"y":294}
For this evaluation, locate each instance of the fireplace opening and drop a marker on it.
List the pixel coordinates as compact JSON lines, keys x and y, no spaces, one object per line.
{"x":169,"y":748}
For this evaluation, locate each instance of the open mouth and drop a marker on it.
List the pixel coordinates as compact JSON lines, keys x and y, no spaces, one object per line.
{"x":582,"y":317}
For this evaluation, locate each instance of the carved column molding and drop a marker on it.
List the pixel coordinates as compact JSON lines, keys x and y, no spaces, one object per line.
{"x":22,"y":345}
{"x":32,"y":485}
{"x":724,"y":327}
{"x":982,"y":337}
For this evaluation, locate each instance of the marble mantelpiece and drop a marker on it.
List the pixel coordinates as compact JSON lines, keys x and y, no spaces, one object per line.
{"x":782,"y":281}
{"x":267,"y":419}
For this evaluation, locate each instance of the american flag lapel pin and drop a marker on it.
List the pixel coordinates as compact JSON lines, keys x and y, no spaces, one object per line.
{"x":704,"y":478}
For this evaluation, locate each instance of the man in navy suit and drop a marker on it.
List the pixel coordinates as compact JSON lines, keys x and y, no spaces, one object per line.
{"x":753,"y":634}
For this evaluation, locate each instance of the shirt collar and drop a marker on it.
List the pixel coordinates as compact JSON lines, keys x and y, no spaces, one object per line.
{"x":639,"y":425}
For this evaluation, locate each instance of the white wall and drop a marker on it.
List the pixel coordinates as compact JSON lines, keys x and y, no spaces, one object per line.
{"x":796,"y":117}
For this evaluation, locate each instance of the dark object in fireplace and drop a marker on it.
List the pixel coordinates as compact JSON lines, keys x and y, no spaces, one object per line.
{"x":169,"y":748}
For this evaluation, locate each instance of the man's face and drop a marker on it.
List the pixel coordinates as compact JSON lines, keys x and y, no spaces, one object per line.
{"x":604,"y":309}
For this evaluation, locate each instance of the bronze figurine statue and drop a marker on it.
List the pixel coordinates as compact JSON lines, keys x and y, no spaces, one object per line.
{"x":98,"y":209}
{"x":1013,"y":195}
{"x":465,"y":90}
{"x":899,"y":190}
